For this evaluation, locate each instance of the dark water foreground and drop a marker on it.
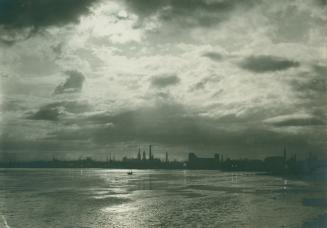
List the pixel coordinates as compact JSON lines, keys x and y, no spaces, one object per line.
{"x":154,"y":198}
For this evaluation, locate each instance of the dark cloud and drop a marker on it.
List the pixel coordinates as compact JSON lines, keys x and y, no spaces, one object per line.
{"x":20,"y":149}
{"x":46,"y":113}
{"x":17,"y":16}
{"x":296,"y":121}
{"x":215,"y":56}
{"x":190,"y":12}
{"x":164,"y":80}
{"x":73,"y":83}
{"x":265,"y":63}
{"x":165,"y":124}
{"x":54,"y":111}
{"x":311,"y":87}
{"x":41,"y":13}
{"x":174,"y":125}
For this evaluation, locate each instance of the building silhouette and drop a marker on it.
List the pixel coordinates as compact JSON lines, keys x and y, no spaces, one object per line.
{"x":277,"y":165}
{"x":195,"y":162}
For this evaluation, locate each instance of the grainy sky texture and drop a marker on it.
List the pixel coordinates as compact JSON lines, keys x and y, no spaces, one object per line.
{"x":88,"y":77}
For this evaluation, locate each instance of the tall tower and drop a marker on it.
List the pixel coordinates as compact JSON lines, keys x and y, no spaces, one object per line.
{"x":150,"y":152}
{"x":166,"y":157}
{"x":144,"y":156}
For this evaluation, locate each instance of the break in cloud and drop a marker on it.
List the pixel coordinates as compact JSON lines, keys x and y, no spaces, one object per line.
{"x":295,"y":120}
{"x":242,"y":78}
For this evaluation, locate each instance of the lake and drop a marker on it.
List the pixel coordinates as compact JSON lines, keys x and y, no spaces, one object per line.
{"x":157,"y":198}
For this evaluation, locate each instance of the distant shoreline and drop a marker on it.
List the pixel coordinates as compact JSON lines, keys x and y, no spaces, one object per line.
{"x":303,"y":177}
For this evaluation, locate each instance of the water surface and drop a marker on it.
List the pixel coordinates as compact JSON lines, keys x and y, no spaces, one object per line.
{"x":157,"y":198}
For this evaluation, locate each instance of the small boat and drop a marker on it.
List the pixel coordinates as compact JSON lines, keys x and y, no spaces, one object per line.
{"x":130,"y":172}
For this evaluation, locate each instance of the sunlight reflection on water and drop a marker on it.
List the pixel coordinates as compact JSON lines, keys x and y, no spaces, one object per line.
{"x":152,"y":198}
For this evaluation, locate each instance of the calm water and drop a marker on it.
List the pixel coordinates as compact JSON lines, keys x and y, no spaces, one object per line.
{"x":153,"y":198}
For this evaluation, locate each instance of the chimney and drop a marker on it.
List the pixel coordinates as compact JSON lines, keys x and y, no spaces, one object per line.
{"x":150,"y":152}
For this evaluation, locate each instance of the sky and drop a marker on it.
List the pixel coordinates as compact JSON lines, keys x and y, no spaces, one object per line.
{"x":91,"y":77}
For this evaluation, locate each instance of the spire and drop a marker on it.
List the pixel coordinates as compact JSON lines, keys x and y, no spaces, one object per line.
{"x":150,"y":152}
